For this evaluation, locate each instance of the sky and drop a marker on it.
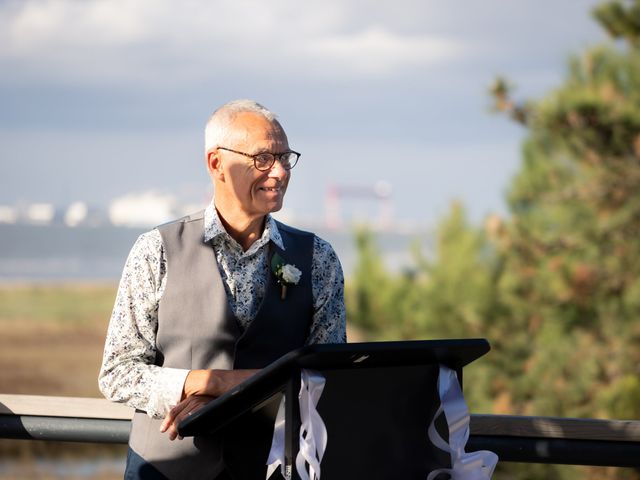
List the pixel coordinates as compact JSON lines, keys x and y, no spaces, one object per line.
{"x":105,"y":98}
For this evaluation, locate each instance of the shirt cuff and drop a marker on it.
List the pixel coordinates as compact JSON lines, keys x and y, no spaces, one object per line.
{"x":169,"y":387}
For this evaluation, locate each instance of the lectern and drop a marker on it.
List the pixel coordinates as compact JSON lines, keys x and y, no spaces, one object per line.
{"x":378,"y":402}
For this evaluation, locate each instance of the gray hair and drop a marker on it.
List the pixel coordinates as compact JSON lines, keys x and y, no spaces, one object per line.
{"x":217,"y":132}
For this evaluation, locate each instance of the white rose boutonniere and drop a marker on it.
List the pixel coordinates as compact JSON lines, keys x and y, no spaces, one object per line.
{"x":290,"y":274}
{"x":286,"y":274}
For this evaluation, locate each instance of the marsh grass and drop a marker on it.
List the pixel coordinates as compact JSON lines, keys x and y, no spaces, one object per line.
{"x":51,"y":342}
{"x":52,"y":337}
{"x":66,"y":303}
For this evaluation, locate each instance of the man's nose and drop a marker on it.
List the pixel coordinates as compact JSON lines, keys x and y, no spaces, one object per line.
{"x":277,"y":170}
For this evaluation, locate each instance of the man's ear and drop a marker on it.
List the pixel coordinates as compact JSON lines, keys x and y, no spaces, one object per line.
{"x":214,"y":165}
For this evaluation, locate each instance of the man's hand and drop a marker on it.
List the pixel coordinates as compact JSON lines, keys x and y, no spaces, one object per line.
{"x":200,"y":387}
{"x":213,"y":382}
{"x":181,"y":411}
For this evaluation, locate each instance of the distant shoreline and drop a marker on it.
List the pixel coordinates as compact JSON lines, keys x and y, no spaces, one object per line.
{"x":73,"y":256}
{"x":10,"y":283}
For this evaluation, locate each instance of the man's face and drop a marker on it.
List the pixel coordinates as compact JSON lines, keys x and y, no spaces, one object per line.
{"x":254,"y":192}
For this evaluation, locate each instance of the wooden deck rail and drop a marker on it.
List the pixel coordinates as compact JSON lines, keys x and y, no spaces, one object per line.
{"x":570,"y":441}
{"x":513,"y":438}
{"x":40,"y":406}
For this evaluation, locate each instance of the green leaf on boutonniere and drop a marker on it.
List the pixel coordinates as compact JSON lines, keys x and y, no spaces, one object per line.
{"x":276,"y":265}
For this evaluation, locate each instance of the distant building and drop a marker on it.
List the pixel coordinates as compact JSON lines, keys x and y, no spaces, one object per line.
{"x":8,"y":214}
{"x":40,"y":214}
{"x":146,"y":209}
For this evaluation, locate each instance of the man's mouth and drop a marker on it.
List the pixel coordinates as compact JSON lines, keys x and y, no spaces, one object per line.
{"x":271,"y":189}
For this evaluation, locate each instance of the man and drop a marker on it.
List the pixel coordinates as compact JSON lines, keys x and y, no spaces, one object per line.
{"x":203,"y":302}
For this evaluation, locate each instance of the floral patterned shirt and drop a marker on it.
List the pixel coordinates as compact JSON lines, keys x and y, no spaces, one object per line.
{"x":128,"y":373}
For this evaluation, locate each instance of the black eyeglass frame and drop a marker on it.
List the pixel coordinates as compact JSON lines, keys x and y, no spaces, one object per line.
{"x":274,"y":157}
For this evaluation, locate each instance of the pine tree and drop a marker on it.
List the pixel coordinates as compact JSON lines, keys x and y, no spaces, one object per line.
{"x":572,"y":246}
{"x":554,"y":286}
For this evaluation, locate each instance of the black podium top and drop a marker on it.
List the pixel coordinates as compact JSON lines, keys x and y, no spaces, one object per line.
{"x":455,"y":354}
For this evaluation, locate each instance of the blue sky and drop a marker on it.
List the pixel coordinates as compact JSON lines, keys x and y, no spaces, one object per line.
{"x":104,"y":98}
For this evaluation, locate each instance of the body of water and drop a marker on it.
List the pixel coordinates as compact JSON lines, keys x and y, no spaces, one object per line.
{"x":53,"y":468}
{"x":60,"y":253}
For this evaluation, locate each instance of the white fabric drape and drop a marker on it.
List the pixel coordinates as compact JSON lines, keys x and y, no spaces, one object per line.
{"x":313,"y":433}
{"x":464,"y":466}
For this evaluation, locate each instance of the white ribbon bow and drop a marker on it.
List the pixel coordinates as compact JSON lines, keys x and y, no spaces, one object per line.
{"x":313,"y":433}
{"x":276,"y":454}
{"x":464,"y":466}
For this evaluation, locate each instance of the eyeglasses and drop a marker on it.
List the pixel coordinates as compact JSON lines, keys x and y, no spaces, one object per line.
{"x":264,"y":161}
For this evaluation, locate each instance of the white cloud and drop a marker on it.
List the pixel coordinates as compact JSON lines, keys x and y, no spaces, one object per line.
{"x":377,"y":50}
{"x":69,"y":42}
{"x":49,"y":24}
{"x":162,"y":41}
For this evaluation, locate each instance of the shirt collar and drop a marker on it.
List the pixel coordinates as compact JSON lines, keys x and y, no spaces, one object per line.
{"x":213,"y":229}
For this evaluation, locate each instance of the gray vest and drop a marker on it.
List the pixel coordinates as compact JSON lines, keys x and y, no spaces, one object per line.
{"x":197,"y":330}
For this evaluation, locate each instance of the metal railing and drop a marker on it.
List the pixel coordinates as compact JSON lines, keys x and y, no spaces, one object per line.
{"x":514,"y":438}
{"x":68,"y":419}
